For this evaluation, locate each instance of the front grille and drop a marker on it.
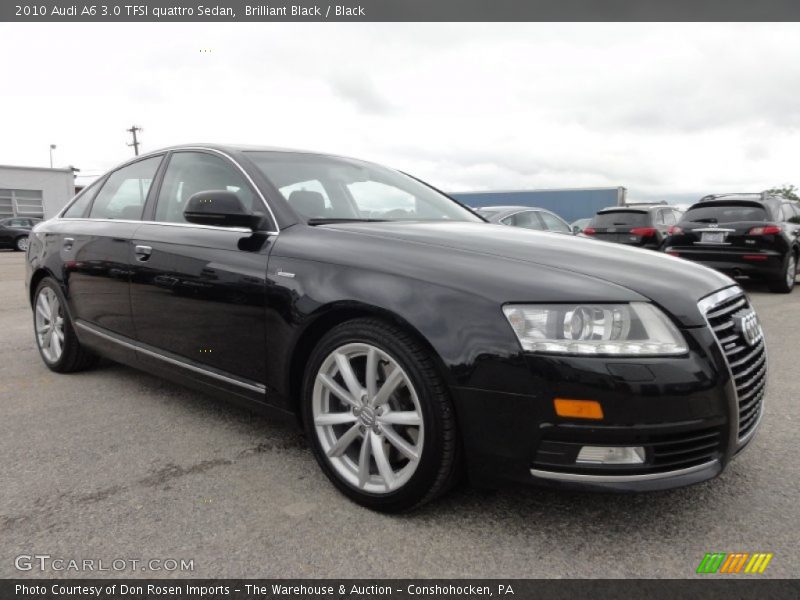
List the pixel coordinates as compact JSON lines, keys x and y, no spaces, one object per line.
{"x":747,"y":361}
{"x":664,"y":452}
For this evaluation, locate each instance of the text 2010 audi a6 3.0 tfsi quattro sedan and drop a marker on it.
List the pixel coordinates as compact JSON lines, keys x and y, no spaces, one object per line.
{"x":414,"y":340}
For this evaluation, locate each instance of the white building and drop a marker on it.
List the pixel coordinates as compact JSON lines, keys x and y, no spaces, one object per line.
{"x":34,"y":191}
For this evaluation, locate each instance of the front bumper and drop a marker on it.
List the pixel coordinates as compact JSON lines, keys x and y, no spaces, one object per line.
{"x":682,"y":410}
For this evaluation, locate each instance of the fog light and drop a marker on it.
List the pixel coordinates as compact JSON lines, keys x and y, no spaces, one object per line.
{"x":610,"y":455}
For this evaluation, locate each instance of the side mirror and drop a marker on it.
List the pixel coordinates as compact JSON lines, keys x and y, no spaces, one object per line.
{"x":220,"y":208}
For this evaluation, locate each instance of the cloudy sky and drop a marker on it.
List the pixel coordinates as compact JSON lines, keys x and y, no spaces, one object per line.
{"x":671,"y":110}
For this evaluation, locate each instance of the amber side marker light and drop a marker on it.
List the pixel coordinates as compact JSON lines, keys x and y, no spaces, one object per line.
{"x":578,"y":409}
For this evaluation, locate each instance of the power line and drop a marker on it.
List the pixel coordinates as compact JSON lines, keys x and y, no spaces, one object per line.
{"x":135,"y":143}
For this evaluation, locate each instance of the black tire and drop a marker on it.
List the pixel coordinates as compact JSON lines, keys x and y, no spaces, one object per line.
{"x":785,"y":284}
{"x":74,"y":356}
{"x":21,"y":243}
{"x":439,"y":466}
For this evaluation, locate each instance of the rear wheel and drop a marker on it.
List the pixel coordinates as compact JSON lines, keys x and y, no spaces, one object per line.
{"x":379,"y":418}
{"x":55,"y":336}
{"x":21,"y":243}
{"x":785,"y":283}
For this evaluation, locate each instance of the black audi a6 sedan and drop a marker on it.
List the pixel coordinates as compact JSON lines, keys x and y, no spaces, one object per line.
{"x":412,"y":339}
{"x":753,"y":235}
{"x":642,"y":226}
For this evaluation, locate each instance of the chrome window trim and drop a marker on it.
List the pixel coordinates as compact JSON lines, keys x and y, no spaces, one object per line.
{"x":165,"y":152}
{"x":588,"y":478}
{"x":168,"y":224}
{"x":137,"y":348}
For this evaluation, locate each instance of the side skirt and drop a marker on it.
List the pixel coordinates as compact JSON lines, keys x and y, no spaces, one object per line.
{"x":246,"y":393}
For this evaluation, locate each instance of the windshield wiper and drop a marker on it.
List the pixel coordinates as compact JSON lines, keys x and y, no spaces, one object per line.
{"x":326,"y":221}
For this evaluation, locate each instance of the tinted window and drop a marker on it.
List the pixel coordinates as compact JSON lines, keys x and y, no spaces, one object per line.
{"x":192,"y":172}
{"x":352,"y":189}
{"x":78,"y":208}
{"x":621,"y":218}
{"x":125,"y":191}
{"x":553,"y":223}
{"x":19,"y":223}
{"x":725,"y":214}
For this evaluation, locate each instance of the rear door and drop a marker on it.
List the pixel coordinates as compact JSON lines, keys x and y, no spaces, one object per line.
{"x":198,"y":291}
{"x":95,"y":246}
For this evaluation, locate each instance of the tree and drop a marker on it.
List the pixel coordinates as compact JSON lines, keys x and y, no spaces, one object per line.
{"x":788,"y":191}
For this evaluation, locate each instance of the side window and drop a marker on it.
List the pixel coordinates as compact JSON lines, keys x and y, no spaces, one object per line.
{"x":124,"y":192}
{"x":796,"y":210}
{"x":78,"y":208}
{"x":668,"y":217}
{"x":18,"y":223}
{"x":192,"y":172}
{"x":553,"y":223}
{"x":787,"y":212}
{"x":528,"y":220}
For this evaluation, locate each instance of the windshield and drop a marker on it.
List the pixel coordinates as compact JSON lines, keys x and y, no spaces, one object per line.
{"x":725,"y":214}
{"x":329,"y":189}
{"x":620,"y":217}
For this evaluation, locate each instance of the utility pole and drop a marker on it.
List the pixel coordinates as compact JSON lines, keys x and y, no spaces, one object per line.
{"x":135,"y":143}
{"x":52,"y":147}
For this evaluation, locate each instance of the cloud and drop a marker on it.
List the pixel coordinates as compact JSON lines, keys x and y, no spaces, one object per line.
{"x":361,"y":91}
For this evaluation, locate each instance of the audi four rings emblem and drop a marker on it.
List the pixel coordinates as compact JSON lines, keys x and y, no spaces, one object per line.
{"x":748,"y":326}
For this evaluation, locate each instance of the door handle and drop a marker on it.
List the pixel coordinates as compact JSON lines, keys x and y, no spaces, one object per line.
{"x":142,"y":252}
{"x":68,"y":241}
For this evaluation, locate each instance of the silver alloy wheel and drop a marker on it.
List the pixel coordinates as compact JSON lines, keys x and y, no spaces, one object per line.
{"x":22,"y":244}
{"x":791,"y":270}
{"x":367,"y":418}
{"x":49,"y":323}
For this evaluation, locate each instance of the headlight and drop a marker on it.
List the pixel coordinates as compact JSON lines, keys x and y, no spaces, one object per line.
{"x":635,"y":329}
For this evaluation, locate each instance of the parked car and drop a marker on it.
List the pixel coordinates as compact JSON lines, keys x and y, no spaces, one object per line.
{"x":14,"y":232}
{"x":410,"y":345}
{"x":754,"y":235}
{"x":527,"y":217}
{"x":644,"y":226}
{"x":579,"y":225}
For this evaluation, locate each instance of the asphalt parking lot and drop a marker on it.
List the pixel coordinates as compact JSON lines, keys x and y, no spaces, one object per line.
{"x":114,"y":463}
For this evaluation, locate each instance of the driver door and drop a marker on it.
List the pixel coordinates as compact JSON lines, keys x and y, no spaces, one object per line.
{"x":198,"y":291}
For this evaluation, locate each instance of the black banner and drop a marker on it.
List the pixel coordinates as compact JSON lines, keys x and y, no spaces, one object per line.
{"x":399,"y":10}
{"x":398,"y":589}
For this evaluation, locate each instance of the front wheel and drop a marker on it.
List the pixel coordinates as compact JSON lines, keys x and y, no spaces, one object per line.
{"x":21,"y":243}
{"x":785,"y":283}
{"x":379,"y":418}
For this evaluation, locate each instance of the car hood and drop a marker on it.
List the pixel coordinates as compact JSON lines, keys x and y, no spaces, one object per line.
{"x":511,"y":264}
